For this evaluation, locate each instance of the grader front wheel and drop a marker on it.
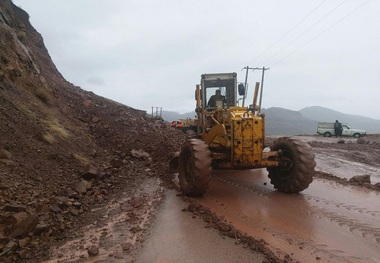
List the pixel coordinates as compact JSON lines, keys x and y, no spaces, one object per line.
{"x":194,"y":167}
{"x":296,"y":169}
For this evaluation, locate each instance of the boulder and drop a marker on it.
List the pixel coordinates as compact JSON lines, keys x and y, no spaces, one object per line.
{"x":10,"y":246}
{"x":40,"y":228}
{"x":93,"y":251}
{"x":90,"y":172}
{"x":24,"y":227}
{"x":82,"y":187}
{"x":116,"y":163}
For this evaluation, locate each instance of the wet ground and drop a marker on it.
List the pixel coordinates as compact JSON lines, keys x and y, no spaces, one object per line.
{"x":117,"y":229}
{"x":242,"y":218}
{"x":325,"y":223}
{"x":179,"y":236}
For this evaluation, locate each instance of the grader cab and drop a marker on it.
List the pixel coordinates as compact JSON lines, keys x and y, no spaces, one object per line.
{"x":229,"y":136}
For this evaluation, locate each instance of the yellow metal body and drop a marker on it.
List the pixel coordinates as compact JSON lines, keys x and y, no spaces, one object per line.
{"x":235,"y":134}
{"x":236,"y":138}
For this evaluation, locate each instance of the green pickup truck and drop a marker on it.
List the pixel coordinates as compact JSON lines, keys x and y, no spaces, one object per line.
{"x":327,"y":129}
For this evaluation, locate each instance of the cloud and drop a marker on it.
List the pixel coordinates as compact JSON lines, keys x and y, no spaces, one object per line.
{"x":98,"y":81}
{"x":152,"y":53}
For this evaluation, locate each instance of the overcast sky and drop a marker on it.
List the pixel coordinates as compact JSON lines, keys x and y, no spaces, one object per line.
{"x":146,"y":53}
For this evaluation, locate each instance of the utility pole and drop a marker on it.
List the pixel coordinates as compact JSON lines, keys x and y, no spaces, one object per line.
{"x":157,"y":113}
{"x":262,"y":85}
{"x":245,"y":84}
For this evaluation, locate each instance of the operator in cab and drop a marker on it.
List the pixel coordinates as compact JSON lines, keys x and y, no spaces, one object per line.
{"x":216,"y":100}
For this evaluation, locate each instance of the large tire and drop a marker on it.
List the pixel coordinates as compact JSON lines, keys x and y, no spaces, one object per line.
{"x":296,"y":169}
{"x":194,"y":170}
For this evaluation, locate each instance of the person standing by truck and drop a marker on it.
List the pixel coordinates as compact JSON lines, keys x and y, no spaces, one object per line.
{"x":338,"y":129}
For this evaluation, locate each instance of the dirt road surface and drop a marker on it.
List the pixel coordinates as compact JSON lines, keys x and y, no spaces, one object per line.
{"x":84,"y":179}
{"x":325,"y":223}
{"x":242,"y":218}
{"x":180,"y":237}
{"x":331,"y":221}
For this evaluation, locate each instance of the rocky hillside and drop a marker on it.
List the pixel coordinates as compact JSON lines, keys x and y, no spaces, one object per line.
{"x":62,"y":148}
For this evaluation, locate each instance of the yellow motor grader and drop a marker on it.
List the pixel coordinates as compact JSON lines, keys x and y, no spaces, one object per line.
{"x":229,"y":136}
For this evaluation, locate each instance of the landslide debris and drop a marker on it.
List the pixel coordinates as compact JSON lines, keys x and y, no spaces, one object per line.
{"x":63,"y":150}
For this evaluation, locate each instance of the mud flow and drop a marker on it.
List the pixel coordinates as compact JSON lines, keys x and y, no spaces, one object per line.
{"x":326,"y":221}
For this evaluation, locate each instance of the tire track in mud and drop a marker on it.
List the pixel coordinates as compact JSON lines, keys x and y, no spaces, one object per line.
{"x":322,"y":209}
{"x":360,"y":210}
{"x":338,"y":218}
{"x":260,"y":191}
{"x":300,"y":243}
{"x":365,"y":230}
{"x":252,"y":187}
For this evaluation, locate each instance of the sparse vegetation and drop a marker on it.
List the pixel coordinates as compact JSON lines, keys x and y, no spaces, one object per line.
{"x":56,"y":128}
{"x":26,"y":111}
{"x":21,"y":35}
{"x":83,"y":160}
{"x":42,"y":95}
{"x":49,"y":138}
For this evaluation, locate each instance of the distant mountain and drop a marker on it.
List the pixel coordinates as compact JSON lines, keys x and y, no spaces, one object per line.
{"x":280,"y":121}
{"x":173,"y":116}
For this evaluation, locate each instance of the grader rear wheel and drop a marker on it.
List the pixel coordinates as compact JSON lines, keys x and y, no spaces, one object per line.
{"x":296,"y":169}
{"x":194,"y":167}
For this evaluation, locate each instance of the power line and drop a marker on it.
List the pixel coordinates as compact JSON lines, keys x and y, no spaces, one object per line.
{"x":312,"y":11}
{"x":327,"y":29}
{"x":307,"y":30}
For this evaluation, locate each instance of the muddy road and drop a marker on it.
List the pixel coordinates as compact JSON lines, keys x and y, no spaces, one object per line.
{"x":330,"y":221}
{"x":325,"y":223}
{"x":242,"y":218}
